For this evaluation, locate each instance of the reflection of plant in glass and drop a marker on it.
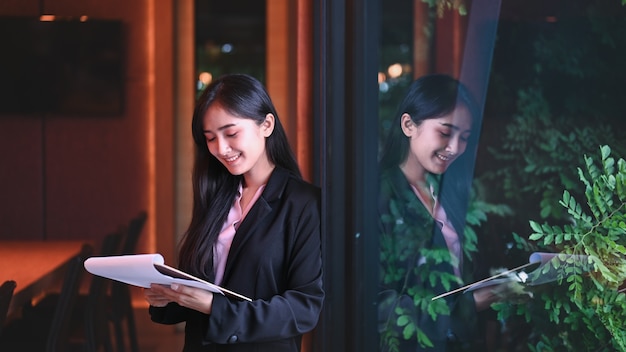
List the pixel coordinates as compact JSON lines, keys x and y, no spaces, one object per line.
{"x":547,"y":149}
{"x":406,"y":245}
{"x":406,"y":239}
{"x":555,"y":91}
{"x":443,"y":5}
{"x":583,"y":311}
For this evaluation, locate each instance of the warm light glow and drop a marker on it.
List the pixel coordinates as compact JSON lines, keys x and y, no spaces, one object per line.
{"x":551,"y":19}
{"x":205,"y":78}
{"x":381,"y":77}
{"x":407,"y":69}
{"x":47,"y":18}
{"x":394,"y":70}
{"x":84,"y":18}
{"x":151,"y":107}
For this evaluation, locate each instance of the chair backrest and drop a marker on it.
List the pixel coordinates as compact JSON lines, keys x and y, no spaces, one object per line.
{"x":96,"y":325}
{"x":133,"y":231}
{"x":6,"y":294}
{"x":60,"y":328}
{"x":122,"y":309}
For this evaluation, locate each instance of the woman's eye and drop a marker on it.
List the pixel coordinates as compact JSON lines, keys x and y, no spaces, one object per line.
{"x":445,"y":134}
{"x":231,"y":134}
{"x":211,"y":139}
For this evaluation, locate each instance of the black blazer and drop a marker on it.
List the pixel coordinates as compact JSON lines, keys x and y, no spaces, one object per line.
{"x":275,"y":259}
{"x":408,"y":227}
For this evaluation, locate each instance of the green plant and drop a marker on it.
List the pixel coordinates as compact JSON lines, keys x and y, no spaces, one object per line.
{"x":443,"y":5}
{"x":555,"y":91}
{"x":582,"y":310}
{"x":404,"y":240}
{"x":540,"y":152}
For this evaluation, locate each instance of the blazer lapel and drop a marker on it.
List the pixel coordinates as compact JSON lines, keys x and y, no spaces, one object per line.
{"x":261,"y":208}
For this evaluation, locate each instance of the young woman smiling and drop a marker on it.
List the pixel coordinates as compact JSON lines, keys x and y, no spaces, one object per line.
{"x":255,"y":230}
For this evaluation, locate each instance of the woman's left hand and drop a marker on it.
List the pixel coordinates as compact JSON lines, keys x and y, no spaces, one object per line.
{"x":186,"y":296}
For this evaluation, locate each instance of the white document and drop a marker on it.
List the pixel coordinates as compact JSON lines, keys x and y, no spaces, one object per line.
{"x":145,"y":269}
{"x":550,"y":267}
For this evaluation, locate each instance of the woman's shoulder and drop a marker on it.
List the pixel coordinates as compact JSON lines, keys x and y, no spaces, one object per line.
{"x":286,"y":183}
{"x":392,"y":182}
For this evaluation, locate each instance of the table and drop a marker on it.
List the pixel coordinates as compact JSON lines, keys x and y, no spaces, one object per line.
{"x":36,"y":266}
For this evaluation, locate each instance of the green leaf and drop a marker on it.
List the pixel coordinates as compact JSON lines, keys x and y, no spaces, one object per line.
{"x":536,"y":227}
{"x":403,"y":320}
{"x":605,"y":151}
{"x":535,"y":236}
{"x":408,"y":331}
{"x":423,"y":339}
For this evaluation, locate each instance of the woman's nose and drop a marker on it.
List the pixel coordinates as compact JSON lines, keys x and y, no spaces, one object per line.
{"x":456,"y":145}
{"x":222,"y":146}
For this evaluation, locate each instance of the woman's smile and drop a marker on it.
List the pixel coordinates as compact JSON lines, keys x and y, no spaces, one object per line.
{"x":231,"y":159}
{"x":446,"y":158}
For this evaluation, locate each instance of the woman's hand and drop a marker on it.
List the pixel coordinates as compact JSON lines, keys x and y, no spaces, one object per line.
{"x":154,"y":298}
{"x":484,"y":297}
{"x":190,"y":297}
{"x":511,"y":291}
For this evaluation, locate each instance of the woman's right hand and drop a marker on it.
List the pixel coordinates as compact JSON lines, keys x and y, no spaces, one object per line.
{"x":155,"y":299}
{"x":484,"y":297}
{"x":511,"y":291}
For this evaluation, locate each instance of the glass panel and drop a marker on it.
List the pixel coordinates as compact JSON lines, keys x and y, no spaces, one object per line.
{"x":230,"y":38}
{"x":530,"y":170}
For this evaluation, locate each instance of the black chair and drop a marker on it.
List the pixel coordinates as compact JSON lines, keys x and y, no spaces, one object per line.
{"x":108,"y":302}
{"x":96,"y":324}
{"x":58,"y":335}
{"x":133,"y":233}
{"x":46,"y":327}
{"x":6,"y":294}
{"x":90,"y":328}
{"x":121,"y":300}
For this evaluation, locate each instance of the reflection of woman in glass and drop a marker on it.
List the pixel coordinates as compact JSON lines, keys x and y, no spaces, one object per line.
{"x":424,"y":250}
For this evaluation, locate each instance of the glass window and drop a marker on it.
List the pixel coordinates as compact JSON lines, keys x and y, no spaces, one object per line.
{"x":487,"y":175}
{"x":230,"y":38}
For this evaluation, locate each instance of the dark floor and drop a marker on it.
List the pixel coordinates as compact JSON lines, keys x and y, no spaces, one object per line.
{"x":156,"y":337}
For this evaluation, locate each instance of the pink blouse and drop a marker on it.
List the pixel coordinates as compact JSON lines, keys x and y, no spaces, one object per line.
{"x":225,"y":238}
{"x":448,"y":231}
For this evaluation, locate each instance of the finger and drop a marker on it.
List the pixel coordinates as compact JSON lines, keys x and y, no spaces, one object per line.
{"x":158,"y":288}
{"x":182,"y":289}
{"x":159,"y":296}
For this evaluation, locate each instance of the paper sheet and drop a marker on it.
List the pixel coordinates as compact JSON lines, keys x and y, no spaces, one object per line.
{"x":141,"y":270}
{"x":551,"y":267}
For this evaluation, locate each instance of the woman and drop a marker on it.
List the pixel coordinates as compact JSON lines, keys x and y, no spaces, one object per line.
{"x":255,"y":230}
{"x":426,"y":173}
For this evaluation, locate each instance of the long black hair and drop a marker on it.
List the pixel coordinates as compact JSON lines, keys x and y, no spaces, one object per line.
{"x":215,"y":188}
{"x":429,"y":97}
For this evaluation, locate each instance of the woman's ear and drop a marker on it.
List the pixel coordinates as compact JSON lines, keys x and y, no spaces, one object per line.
{"x":407,"y":125}
{"x":267,"y":126}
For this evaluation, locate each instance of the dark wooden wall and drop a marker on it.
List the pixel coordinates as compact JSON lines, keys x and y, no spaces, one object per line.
{"x":82,"y":176}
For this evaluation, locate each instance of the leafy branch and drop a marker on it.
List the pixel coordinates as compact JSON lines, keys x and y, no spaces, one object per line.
{"x":587,"y":306}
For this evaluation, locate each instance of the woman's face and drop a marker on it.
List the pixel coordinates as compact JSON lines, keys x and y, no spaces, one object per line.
{"x":238,"y":143}
{"x":435,"y":143}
